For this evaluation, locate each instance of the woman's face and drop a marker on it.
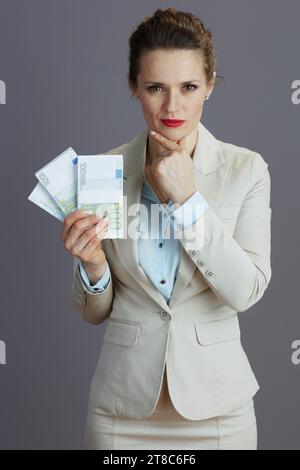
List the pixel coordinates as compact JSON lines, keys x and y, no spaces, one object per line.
{"x":171,"y":85}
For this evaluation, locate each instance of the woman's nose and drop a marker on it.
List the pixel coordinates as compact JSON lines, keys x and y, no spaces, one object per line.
{"x":171,"y":103}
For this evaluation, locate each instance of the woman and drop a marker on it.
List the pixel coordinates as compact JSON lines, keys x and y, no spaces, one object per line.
{"x":172,"y":373}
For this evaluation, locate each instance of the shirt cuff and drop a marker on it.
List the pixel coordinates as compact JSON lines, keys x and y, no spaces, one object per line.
{"x":101,"y":284}
{"x":187,"y":214}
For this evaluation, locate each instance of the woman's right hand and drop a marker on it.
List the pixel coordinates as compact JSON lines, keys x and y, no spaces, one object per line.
{"x":82,"y":235}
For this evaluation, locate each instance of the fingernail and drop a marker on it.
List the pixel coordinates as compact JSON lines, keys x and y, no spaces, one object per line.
{"x":152,"y":132}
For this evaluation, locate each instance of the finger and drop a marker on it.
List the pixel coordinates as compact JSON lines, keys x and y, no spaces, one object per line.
{"x":89,"y":249}
{"x":82,"y":241}
{"x":68,"y":222}
{"x":101,"y":229}
{"x":85,"y":238}
{"x":167,"y":143}
{"x":80,"y":226}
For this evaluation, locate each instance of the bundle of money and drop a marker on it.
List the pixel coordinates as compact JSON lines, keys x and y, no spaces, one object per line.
{"x":91,"y":183}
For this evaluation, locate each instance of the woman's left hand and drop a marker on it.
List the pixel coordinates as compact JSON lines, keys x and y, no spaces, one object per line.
{"x":173,"y":169}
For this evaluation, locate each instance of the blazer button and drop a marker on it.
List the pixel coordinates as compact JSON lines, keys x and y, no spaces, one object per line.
{"x":165,"y":316}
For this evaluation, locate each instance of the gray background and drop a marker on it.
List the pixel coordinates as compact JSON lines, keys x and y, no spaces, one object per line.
{"x":65,"y":64}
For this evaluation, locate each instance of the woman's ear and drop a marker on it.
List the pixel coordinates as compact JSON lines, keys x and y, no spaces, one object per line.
{"x":211,"y":85}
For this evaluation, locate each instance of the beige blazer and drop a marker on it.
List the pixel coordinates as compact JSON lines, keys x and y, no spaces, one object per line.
{"x":196,"y":335}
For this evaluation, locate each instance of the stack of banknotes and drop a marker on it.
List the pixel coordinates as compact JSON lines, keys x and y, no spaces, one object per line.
{"x":91,"y":183}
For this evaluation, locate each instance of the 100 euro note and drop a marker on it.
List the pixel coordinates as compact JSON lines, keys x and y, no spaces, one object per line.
{"x":59,"y":178}
{"x":42,"y":198}
{"x":100,"y":189}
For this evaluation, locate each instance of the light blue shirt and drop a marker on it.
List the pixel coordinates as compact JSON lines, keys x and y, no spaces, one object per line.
{"x":159,"y":256}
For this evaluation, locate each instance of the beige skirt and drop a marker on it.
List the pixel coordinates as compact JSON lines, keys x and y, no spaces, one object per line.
{"x":167,"y":429}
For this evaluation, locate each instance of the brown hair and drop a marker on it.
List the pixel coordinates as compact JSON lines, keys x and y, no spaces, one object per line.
{"x":170,"y":29}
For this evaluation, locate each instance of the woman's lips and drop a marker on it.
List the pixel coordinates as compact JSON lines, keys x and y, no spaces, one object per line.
{"x":172,"y":122}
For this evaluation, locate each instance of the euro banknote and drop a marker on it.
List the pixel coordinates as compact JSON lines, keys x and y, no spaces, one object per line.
{"x":59,"y":178}
{"x":100,"y":189}
{"x":40,"y":196}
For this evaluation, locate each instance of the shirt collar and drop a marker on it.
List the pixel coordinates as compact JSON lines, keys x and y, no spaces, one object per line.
{"x":148,"y":193}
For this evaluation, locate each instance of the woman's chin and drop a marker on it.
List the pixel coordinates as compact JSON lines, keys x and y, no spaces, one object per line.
{"x":172,"y":133}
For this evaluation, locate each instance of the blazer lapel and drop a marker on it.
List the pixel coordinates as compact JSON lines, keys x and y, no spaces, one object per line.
{"x":207,"y":159}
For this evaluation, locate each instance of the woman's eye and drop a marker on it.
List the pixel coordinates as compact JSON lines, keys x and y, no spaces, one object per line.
{"x":154,"y":87}
{"x":151,"y":88}
{"x":194,"y":87}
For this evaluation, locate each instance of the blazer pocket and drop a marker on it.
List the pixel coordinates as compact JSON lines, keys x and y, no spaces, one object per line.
{"x":122,"y":332}
{"x":217,"y":331}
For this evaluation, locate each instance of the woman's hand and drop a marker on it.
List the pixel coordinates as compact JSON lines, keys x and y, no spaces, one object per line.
{"x":172,"y":170}
{"x":82,"y":235}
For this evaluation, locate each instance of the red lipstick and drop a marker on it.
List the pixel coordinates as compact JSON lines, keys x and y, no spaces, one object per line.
{"x":172,"y":122}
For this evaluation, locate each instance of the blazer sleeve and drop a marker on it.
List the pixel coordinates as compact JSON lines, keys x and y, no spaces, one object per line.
{"x":94,"y":308}
{"x":237,"y":267}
